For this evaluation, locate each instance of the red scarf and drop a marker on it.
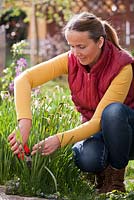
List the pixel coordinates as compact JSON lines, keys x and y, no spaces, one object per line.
{"x":88,"y":88}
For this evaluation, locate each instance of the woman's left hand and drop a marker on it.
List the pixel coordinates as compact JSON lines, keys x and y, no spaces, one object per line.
{"x":47,"y":146}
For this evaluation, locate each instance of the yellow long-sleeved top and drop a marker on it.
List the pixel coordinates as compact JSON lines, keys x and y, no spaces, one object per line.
{"x":46,"y":71}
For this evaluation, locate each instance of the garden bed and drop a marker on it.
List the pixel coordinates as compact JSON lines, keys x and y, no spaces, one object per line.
{"x":55,"y":176}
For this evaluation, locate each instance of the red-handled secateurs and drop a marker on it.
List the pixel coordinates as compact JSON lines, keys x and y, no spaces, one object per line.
{"x":26,"y":154}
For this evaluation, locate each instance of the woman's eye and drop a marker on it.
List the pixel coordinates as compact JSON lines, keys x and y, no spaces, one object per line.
{"x":82,"y":47}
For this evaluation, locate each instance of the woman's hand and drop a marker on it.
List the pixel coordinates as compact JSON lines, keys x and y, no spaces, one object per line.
{"x":47,"y":146}
{"x":24,"y":130}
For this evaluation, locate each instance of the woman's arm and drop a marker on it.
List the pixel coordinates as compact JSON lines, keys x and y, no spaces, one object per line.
{"x":34,"y":77}
{"x":29,"y":79}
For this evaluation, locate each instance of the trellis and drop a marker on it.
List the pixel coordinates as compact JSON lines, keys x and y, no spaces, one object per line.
{"x":119,"y":13}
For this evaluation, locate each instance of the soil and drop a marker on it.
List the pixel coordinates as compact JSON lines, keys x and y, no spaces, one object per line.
{"x":3,"y":196}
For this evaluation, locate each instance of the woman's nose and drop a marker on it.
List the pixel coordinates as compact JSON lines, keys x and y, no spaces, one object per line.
{"x":75,"y":52}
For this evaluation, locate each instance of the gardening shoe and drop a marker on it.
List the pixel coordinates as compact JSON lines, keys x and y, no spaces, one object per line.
{"x":106,"y":181}
{"x":114,"y":180}
{"x":117,"y":180}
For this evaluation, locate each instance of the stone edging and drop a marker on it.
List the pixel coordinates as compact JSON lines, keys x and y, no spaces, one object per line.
{"x":3,"y":196}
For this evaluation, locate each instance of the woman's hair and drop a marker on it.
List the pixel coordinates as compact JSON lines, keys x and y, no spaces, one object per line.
{"x":96,"y":27}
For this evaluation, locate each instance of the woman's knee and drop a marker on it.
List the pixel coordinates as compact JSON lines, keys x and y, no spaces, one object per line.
{"x":113,"y":112}
{"x":88,"y":156}
{"x":84,"y":161}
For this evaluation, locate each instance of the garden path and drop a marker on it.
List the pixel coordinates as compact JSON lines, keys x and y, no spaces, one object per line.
{"x":3,"y":196}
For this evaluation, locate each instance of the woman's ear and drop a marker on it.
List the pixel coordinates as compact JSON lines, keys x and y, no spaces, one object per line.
{"x":100,"y":42}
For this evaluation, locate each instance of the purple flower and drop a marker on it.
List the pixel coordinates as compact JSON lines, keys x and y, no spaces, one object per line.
{"x":11,"y":86}
{"x":21,"y":65}
{"x":18,"y":70}
{"x":22,"y":62}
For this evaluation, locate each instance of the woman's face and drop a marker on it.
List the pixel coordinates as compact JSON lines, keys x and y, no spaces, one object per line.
{"x":85,"y":49}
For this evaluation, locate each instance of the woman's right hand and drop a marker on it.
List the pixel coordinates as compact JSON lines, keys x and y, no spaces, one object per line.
{"x":24,"y":129}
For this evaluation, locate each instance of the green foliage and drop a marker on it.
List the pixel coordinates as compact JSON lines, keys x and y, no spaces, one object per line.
{"x":6,"y":124}
{"x":53,"y":176}
{"x":57,"y":11}
{"x":7,"y":77}
{"x":9,"y":72}
{"x":15,"y":12}
{"x":52,"y":113}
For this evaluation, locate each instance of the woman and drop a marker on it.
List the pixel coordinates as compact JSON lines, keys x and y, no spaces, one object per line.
{"x":100,"y":76}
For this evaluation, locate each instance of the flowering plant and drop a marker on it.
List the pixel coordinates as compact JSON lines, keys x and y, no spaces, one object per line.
{"x":19,"y":64}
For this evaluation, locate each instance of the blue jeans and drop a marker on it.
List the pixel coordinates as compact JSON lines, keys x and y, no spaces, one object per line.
{"x":113,"y":145}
